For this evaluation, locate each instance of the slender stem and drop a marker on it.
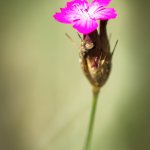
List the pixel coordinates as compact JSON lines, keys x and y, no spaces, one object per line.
{"x":92,"y":118}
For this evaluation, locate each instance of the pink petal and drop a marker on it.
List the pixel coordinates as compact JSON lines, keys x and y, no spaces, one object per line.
{"x":71,"y":12}
{"x":66,"y":16}
{"x":106,"y":14}
{"x":94,"y":9}
{"x":102,"y":2}
{"x":79,"y":2}
{"x":85,"y":26}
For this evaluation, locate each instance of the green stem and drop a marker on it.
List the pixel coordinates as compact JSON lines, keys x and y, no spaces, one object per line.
{"x":92,"y":118}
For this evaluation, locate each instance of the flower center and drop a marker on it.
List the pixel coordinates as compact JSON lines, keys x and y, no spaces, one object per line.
{"x":82,"y":9}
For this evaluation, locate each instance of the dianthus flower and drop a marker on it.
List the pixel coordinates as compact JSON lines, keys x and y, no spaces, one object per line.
{"x":84,"y":15}
{"x":95,"y":52}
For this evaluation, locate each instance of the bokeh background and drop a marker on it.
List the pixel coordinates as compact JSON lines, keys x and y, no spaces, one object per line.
{"x":45,"y":99}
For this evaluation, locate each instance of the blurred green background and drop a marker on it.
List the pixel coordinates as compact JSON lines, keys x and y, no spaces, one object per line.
{"x":44,"y":97}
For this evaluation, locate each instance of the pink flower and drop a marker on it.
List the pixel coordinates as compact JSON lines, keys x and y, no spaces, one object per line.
{"x":83,"y":15}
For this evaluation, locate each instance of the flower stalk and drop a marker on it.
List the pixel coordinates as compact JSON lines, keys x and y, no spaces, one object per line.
{"x":92,"y":119}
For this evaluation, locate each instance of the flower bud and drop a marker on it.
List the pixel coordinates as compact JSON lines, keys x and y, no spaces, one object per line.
{"x":95,"y":56}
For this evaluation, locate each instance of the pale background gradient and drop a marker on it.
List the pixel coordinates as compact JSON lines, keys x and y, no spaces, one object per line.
{"x":45,"y":99}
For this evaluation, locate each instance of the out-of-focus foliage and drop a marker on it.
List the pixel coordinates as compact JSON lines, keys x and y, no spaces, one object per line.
{"x":44,"y":97}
